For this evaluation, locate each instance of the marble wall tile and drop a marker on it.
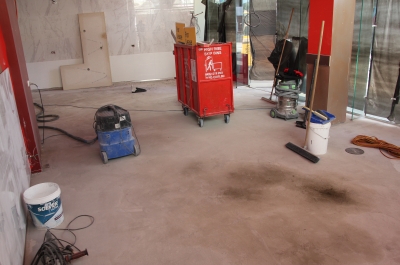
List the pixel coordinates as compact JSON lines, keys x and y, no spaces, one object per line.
{"x":146,"y":24}
{"x":14,"y":177}
{"x":50,"y":38}
{"x":92,"y":6}
{"x":120,"y":43}
{"x":117,"y":16}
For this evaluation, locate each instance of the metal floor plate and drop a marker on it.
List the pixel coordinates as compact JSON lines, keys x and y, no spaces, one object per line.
{"x":354,"y":151}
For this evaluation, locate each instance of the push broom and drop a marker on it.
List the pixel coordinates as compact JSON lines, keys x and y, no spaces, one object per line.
{"x":279,"y":64}
{"x":301,"y":151}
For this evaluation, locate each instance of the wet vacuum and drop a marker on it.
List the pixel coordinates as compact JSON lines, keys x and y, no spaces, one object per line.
{"x":114,"y":131}
{"x":287,"y":92}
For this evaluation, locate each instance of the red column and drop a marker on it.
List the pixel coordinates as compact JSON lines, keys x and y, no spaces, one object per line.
{"x":320,"y":11}
{"x":19,"y":79}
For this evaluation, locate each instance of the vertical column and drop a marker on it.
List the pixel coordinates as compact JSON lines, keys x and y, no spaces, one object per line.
{"x":19,"y":78}
{"x":333,"y":79}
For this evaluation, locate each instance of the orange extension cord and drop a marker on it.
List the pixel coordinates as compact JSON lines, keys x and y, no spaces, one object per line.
{"x":372,"y":141}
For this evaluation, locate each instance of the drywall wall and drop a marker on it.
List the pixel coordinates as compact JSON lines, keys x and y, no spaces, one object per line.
{"x":146,"y":70}
{"x":50,"y":33}
{"x":123,"y":68}
{"x":95,"y":70}
{"x":14,"y":177}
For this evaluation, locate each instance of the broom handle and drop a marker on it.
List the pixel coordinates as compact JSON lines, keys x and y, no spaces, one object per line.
{"x":315,"y":82}
{"x":280,"y":58}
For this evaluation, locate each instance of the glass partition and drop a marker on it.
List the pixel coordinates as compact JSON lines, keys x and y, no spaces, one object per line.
{"x":360,"y":56}
{"x":224,"y":22}
{"x":297,"y":33}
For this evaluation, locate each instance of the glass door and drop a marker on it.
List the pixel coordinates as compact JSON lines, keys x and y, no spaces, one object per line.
{"x":225,"y":22}
{"x":243,"y":55}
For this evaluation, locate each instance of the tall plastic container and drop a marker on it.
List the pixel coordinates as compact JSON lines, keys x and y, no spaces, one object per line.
{"x":204,"y":79}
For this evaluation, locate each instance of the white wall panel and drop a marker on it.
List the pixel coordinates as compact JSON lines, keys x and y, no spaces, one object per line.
{"x":14,"y":177}
{"x":50,"y":33}
{"x":136,"y":67}
{"x":47,"y":74}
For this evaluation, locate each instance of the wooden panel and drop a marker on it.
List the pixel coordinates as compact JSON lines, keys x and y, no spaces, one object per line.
{"x":343,"y":25}
{"x":95,"y":70}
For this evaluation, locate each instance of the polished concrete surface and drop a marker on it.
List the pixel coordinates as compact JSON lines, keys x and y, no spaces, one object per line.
{"x":221,"y":194}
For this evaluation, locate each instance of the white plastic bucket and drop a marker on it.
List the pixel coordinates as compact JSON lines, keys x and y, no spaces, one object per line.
{"x":44,"y":204}
{"x":317,"y":139}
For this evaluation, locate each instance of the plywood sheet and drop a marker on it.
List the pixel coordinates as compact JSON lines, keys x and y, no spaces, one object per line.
{"x":95,"y":70}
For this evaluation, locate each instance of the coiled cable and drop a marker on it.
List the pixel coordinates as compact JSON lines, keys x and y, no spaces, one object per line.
{"x":54,"y":252}
{"x":392,"y":150}
{"x":41,"y":117}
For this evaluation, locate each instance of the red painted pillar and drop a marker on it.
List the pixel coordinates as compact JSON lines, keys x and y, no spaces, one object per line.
{"x":331,"y":91}
{"x":320,"y":11}
{"x":3,"y":53}
{"x":19,"y":79}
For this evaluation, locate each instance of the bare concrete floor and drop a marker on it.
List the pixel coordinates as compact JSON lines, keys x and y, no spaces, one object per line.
{"x":221,"y":194}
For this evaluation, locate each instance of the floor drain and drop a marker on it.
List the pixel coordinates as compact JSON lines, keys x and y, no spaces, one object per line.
{"x":354,"y":151}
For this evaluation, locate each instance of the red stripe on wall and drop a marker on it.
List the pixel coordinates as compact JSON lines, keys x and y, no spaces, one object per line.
{"x":19,"y":80}
{"x":3,"y":53}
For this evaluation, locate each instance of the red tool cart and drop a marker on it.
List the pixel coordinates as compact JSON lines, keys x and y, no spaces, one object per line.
{"x":204,"y":79}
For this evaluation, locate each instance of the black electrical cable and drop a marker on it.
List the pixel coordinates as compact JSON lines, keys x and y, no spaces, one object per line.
{"x":149,"y":110}
{"x":41,"y":117}
{"x":76,"y":229}
{"x":251,"y":13}
{"x":53,"y":136}
{"x":81,"y":107}
{"x":53,"y":251}
{"x":262,"y":44}
{"x":253,"y":108}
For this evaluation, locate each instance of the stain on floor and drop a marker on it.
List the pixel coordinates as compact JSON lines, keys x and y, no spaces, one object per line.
{"x":245,"y":182}
{"x":298,"y":206}
{"x":241,"y":193}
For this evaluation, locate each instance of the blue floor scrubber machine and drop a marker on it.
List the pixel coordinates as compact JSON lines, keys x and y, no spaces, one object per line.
{"x":114,"y":131}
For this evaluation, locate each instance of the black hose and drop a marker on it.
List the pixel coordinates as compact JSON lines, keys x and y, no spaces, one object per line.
{"x":40,"y":117}
{"x":70,"y":135}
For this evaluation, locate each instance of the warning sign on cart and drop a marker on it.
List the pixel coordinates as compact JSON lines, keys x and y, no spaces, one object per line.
{"x":215,"y":61}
